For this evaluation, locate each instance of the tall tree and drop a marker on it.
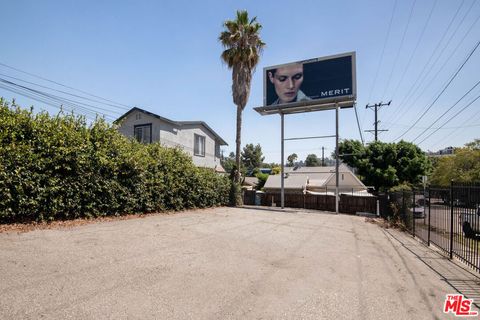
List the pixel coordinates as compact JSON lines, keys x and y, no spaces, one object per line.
{"x":243,"y":46}
{"x":312,"y":160}
{"x":228,"y":163}
{"x":291,"y":159}
{"x":252,"y":156}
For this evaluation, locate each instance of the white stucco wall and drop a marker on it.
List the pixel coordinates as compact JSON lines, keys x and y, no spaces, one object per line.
{"x":348,"y":182}
{"x":172,"y":135}
{"x":187,"y":134}
{"x":129,"y":122}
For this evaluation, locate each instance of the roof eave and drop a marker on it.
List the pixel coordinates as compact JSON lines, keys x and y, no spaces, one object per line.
{"x":146,"y":112}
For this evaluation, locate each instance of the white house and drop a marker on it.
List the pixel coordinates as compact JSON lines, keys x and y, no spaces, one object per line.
{"x":194,"y":137}
{"x":316,"y":180}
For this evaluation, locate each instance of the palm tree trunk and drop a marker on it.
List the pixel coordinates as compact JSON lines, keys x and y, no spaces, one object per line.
{"x":238,"y":142}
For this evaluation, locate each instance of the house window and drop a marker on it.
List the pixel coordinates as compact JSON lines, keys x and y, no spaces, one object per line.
{"x":143,"y":133}
{"x":199,"y":145}
{"x":138,"y":116}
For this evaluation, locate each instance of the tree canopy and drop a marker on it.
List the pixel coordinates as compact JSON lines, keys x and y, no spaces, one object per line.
{"x":228,"y":163}
{"x":252,"y":156}
{"x":384,"y":165}
{"x":462,"y":166}
{"x":312,"y":161}
{"x":291,"y":159}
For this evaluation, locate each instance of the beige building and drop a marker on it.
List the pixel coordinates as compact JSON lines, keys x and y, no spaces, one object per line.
{"x":316,"y":180}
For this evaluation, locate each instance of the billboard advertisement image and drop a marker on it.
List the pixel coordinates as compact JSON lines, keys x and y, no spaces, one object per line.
{"x":319,"y":81}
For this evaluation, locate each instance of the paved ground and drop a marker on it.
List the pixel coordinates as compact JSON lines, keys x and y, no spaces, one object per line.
{"x":225,"y":263}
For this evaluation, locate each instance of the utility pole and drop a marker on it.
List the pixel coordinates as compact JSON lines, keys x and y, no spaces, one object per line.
{"x":323,"y":158}
{"x":376,"y":107}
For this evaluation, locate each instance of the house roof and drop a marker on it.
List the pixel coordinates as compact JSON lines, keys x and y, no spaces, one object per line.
{"x":295,"y":182}
{"x":178,"y":123}
{"x":319,"y":179}
{"x":251,"y":181}
{"x":219,"y":168}
{"x":309,"y":177}
{"x":202,"y":123}
{"x":146,"y":112}
{"x":341,"y":168}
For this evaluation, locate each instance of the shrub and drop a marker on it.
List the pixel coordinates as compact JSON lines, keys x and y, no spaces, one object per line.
{"x":262,"y":179}
{"x":61,"y":168}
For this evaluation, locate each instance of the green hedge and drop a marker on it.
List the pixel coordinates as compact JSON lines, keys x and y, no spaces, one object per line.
{"x":62,"y":168}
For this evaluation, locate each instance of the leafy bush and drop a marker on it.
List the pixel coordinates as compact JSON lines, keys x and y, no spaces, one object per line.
{"x":401,"y":187}
{"x":61,"y":168}
{"x":276,"y":170}
{"x":262,"y":179}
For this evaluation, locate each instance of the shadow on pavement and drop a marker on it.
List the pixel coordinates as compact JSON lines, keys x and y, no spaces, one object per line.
{"x":289,"y":210}
{"x":461,"y":279}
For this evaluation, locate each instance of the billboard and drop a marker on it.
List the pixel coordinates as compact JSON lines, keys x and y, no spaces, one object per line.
{"x":315,"y":82}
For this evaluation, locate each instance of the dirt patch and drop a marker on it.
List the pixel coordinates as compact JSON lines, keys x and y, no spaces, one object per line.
{"x":386,"y":224}
{"x":65,"y":224}
{"x":68,"y":224}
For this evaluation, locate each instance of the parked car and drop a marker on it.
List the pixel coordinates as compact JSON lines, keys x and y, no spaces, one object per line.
{"x":418,"y":211}
{"x":470,"y":222}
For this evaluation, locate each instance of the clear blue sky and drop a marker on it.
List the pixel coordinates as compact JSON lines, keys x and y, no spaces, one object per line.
{"x":164,"y":56}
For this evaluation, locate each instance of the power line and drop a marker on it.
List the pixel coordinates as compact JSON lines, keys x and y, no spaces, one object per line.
{"x":43,"y":100}
{"x":462,"y":126}
{"x":383,"y":50}
{"x":447,"y":128}
{"x":358,"y":123}
{"x":443,"y":90}
{"x":451,"y":118}
{"x":429,"y":83}
{"x":64,"y":92}
{"x":429,"y":59}
{"x":63,"y":85}
{"x":441,"y":116}
{"x":400,"y":49}
{"x":395,"y":92}
{"x":414,"y":50}
{"x":424,"y":77}
{"x":61,"y":99}
{"x":49,"y":99}
{"x":381,"y":57}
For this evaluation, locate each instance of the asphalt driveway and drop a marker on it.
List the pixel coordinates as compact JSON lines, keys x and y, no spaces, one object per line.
{"x":225,"y":263}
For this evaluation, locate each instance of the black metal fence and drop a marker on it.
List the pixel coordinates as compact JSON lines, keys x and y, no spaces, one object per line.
{"x":449,"y":218}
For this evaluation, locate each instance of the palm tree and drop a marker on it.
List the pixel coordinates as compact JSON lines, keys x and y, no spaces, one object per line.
{"x":243,"y":46}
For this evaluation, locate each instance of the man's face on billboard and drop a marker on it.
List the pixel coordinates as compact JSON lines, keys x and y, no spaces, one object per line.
{"x":287,"y":81}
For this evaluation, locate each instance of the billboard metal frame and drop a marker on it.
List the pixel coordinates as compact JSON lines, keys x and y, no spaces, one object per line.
{"x":330,"y":103}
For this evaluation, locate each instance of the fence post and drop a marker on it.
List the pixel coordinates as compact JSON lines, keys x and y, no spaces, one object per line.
{"x":413,"y":212}
{"x":451,"y":219}
{"x":429,"y":214}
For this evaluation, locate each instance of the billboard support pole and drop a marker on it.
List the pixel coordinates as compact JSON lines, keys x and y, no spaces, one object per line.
{"x":337,"y":161}
{"x":282,"y":165}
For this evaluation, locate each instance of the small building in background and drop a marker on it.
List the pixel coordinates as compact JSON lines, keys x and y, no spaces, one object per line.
{"x":250,"y":183}
{"x":316,"y":180}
